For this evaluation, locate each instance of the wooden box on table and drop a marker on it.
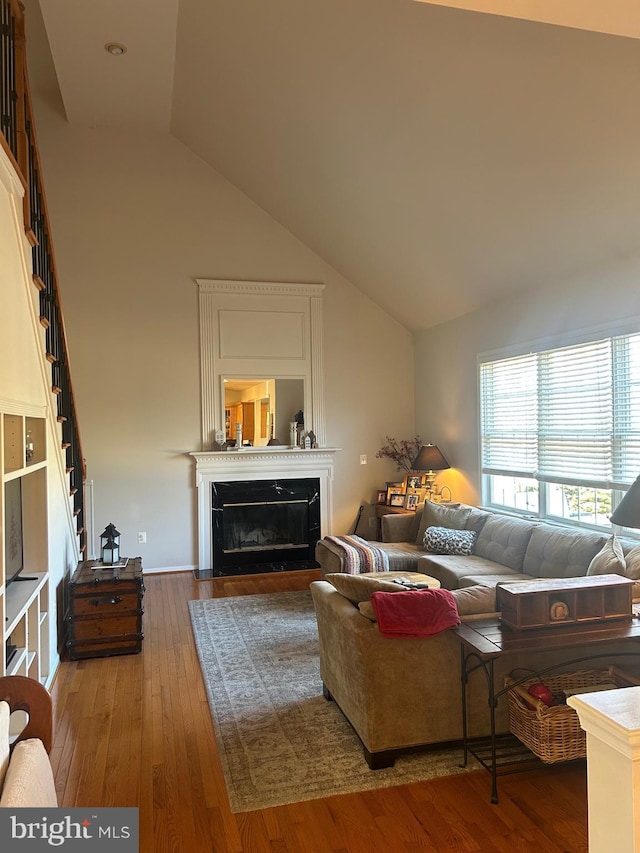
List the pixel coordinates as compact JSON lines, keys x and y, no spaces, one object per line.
{"x":105,"y":609}
{"x":545,"y":603}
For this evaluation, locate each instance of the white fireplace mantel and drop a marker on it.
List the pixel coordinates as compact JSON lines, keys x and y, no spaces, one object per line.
{"x":259,"y":464}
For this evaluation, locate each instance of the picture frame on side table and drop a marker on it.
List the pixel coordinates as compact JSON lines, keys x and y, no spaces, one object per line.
{"x":414,"y":498}
{"x":381,"y":496}
{"x":411,"y":502}
{"x":413,"y":481}
{"x":396,"y":499}
{"x":394,"y":489}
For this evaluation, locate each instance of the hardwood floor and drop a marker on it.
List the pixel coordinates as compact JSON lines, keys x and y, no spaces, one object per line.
{"x":135,"y":730}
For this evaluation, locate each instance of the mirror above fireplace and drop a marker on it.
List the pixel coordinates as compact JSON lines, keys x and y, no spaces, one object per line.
{"x":264,"y":408}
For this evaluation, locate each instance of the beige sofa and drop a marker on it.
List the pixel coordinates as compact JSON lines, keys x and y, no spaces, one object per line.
{"x":401,"y":694}
{"x":26,"y":777}
{"x":505,"y":549}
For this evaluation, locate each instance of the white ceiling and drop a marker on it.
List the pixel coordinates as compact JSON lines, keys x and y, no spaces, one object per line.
{"x":437,"y":158}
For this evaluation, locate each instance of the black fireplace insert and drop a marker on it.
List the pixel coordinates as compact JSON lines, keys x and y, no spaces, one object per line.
{"x":265,"y":525}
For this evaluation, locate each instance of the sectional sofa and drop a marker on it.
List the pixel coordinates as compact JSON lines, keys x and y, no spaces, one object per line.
{"x":505,"y":548}
{"x":404,"y":694}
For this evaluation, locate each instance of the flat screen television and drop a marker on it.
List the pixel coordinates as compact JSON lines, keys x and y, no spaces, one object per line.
{"x":13,"y":548}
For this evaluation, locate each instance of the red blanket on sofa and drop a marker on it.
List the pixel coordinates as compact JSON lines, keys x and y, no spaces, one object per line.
{"x":414,"y":613}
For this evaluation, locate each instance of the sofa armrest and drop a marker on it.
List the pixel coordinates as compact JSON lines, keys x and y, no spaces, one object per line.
{"x":397,"y":527}
{"x":29,"y":782}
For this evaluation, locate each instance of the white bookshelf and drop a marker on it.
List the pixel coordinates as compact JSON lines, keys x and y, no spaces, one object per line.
{"x":24,"y":606}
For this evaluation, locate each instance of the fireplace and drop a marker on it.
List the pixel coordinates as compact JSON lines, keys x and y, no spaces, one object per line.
{"x":264,"y":525}
{"x":258,"y":467}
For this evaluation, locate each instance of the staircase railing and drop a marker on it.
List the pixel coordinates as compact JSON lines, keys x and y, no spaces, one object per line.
{"x":18,"y":138}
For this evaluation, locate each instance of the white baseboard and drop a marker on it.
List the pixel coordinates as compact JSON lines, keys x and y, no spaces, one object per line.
{"x":166,"y":569}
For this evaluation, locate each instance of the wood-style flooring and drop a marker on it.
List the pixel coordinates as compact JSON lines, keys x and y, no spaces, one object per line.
{"x":135,"y":730}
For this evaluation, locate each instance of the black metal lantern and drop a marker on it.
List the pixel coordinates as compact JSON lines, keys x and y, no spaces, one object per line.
{"x":110,"y":546}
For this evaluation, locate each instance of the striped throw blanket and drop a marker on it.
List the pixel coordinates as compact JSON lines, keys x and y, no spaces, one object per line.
{"x":359,"y":555}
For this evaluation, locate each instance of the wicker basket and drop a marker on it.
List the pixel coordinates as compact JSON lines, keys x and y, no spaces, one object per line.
{"x":554,"y":733}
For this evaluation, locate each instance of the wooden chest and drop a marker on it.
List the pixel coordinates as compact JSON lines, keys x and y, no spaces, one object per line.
{"x":564,"y":601}
{"x":105,"y":610}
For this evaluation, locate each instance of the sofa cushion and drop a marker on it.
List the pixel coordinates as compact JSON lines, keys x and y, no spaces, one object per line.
{"x":403,"y":556}
{"x":5,"y":713}
{"x":29,"y":781}
{"x":632,"y":562}
{"x":358,"y":588}
{"x":560,"y":553}
{"x":453,"y":516}
{"x":504,"y":540}
{"x":492,"y":581}
{"x":475,"y":599}
{"x":449,"y":568}
{"x":609,"y":560}
{"x":444,"y":540}
{"x":477,"y":519}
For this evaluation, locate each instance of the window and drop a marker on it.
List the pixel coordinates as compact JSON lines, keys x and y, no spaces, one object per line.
{"x":561,"y":430}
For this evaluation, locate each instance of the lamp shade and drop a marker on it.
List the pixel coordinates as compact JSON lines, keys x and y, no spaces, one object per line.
{"x":429,"y":458}
{"x":627,"y":513}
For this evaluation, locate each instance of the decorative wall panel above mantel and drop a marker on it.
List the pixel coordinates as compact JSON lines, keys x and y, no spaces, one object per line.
{"x":260,"y":330}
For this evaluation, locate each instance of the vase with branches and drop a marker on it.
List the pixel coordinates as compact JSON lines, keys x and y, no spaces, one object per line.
{"x":401,"y":452}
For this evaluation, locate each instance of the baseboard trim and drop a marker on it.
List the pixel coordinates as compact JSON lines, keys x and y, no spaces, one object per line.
{"x":166,"y":570}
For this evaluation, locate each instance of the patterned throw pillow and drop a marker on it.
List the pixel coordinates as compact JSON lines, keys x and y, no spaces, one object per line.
{"x":445,"y":540}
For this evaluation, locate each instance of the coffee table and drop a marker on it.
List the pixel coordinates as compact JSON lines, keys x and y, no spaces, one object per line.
{"x":482,"y":642}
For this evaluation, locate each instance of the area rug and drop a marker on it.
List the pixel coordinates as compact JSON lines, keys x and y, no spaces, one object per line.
{"x":280,"y":740}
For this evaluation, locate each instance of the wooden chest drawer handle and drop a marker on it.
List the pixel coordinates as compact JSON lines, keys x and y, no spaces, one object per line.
{"x":98,"y":601}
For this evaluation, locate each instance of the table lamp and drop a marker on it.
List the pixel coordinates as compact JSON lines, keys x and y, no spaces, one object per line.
{"x":429,"y":460}
{"x":627,"y":513}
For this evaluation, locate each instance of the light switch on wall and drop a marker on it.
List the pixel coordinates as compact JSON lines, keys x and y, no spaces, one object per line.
{"x":363,"y":458}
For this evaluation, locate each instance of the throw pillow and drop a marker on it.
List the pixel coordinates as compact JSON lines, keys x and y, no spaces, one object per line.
{"x":443,"y":540}
{"x":366,"y":608}
{"x":453,"y":516}
{"x":359,"y":588}
{"x":609,"y":560}
{"x":632,"y":559}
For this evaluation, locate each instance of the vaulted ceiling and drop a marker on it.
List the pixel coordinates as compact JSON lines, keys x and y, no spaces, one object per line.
{"x":438,"y":158}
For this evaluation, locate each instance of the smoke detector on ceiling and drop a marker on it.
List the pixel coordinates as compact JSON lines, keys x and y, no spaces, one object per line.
{"x":115,"y":49}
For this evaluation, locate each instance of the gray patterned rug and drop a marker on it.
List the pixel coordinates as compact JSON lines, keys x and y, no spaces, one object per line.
{"x":280,"y":741}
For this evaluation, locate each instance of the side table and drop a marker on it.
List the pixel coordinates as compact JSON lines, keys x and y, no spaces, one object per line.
{"x":105,"y":609}
{"x":482,"y":642}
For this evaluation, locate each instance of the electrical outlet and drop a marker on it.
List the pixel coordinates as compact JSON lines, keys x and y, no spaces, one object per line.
{"x":372,"y":524}
{"x":363,"y":458}
{"x":142,"y":537}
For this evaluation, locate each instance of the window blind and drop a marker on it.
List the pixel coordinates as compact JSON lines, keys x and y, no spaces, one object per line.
{"x":509,"y":416}
{"x":566,"y":415}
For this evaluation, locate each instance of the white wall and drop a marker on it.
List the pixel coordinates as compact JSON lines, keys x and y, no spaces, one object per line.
{"x":446,"y":356}
{"x":136,"y":219}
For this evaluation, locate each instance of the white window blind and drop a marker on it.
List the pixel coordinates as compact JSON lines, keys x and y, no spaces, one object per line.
{"x":575,"y":399}
{"x":626,"y":395}
{"x":510,"y":416}
{"x":568,"y":415}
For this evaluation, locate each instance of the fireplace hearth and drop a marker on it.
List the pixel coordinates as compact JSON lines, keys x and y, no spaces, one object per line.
{"x":264,"y":525}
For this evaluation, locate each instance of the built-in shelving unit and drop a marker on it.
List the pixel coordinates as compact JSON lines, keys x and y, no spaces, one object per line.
{"x":24,"y":601}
